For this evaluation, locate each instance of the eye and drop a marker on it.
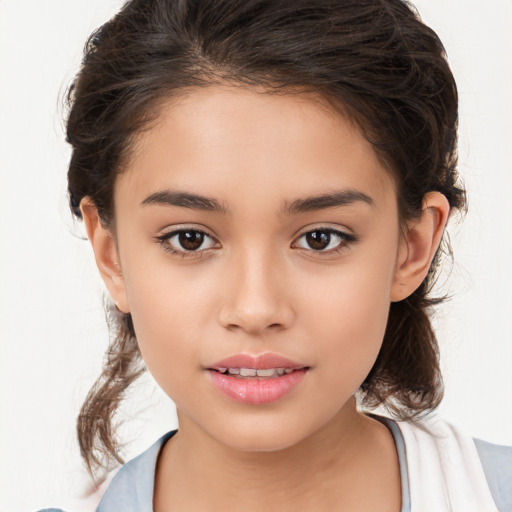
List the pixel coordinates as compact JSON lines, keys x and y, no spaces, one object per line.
{"x":186,"y":242}
{"x":325,"y":240}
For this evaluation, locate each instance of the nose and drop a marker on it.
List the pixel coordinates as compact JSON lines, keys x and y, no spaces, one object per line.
{"x":256,"y":297}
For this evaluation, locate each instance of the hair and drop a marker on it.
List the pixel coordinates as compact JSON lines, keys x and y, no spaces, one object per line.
{"x":373,"y":60}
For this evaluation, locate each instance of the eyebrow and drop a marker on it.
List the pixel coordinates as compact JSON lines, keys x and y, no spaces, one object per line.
{"x":185,"y":200}
{"x":329,"y":200}
{"x":307,"y":204}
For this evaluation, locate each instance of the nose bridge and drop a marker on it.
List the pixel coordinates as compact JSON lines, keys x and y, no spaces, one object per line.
{"x":254,"y":294}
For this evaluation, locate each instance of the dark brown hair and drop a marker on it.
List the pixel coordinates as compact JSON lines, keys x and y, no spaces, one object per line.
{"x":373,"y":59}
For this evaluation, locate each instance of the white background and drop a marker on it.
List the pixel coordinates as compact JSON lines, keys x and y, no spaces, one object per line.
{"x":52,"y":329}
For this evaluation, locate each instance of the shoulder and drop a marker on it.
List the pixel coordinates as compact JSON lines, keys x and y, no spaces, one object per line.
{"x":131,"y":488}
{"x":496,"y":462}
{"x":481,"y":470}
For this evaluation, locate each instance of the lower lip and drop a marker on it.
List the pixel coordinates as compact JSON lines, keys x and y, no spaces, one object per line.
{"x":256,"y":391}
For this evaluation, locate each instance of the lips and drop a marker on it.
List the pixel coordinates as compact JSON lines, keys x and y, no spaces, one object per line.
{"x":259,"y":362}
{"x":256,"y":379}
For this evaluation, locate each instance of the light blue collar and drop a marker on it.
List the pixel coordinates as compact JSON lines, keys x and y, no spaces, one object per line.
{"x":132,"y":488}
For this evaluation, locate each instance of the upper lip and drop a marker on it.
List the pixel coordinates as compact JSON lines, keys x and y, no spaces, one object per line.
{"x":257,"y":362}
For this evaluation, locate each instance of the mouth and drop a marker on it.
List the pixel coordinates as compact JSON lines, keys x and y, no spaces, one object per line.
{"x":254,"y":373}
{"x":256,"y":379}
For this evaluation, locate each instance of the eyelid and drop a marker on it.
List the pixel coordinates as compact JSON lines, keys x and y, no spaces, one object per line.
{"x":171,"y":231}
{"x":168,"y":230}
{"x":347,"y":238}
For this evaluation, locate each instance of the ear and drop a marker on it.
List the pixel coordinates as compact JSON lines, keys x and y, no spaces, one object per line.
{"x":419,"y":245}
{"x":106,"y":253}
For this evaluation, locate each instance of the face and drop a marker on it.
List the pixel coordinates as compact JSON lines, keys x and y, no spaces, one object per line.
{"x":256,"y":232}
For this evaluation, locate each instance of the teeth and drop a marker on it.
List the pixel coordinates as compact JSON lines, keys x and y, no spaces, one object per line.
{"x":248,"y":372}
{"x":266,"y":373}
{"x":252,"y":372}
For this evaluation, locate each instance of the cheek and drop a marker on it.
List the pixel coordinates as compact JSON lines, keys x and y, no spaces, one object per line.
{"x":347,"y":317}
{"x":168,"y":307}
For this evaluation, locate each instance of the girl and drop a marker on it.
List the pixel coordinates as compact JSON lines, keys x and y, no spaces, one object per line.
{"x":265,"y":185}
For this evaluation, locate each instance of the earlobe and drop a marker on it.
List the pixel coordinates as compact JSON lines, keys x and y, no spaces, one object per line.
{"x":419,"y":245}
{"x":106,"y":254}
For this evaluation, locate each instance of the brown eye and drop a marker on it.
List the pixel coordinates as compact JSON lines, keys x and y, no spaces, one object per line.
{"x":186,"y":242}
{"x":318,"y":239}
{"x":325,"y":240}
{"x":191,"y":240}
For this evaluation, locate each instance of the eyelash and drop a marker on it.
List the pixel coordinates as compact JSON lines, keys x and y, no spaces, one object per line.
{"x":346,"y":239}
{"x":166,"y":237}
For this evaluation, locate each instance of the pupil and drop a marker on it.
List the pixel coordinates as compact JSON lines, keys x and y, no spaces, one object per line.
{"x":191,"y":240}
{"x":318,"y":239}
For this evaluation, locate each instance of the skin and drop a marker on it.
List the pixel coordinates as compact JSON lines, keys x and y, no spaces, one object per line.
{"x":258,"y":286}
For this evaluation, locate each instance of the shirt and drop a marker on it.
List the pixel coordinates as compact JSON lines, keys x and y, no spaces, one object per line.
{"x":131,"y":489}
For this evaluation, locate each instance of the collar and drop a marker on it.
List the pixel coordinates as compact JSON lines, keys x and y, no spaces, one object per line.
{"x":132,"y":488}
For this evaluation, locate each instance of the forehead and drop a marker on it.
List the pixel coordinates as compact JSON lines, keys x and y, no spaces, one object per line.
{"x":235,"y":142}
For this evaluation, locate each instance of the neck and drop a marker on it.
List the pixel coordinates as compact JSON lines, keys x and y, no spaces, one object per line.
{"x":327,"y":470}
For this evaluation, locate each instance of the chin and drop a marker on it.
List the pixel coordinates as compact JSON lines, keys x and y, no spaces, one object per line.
{"x":262,"y":434}
{"x":254,"y":441}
